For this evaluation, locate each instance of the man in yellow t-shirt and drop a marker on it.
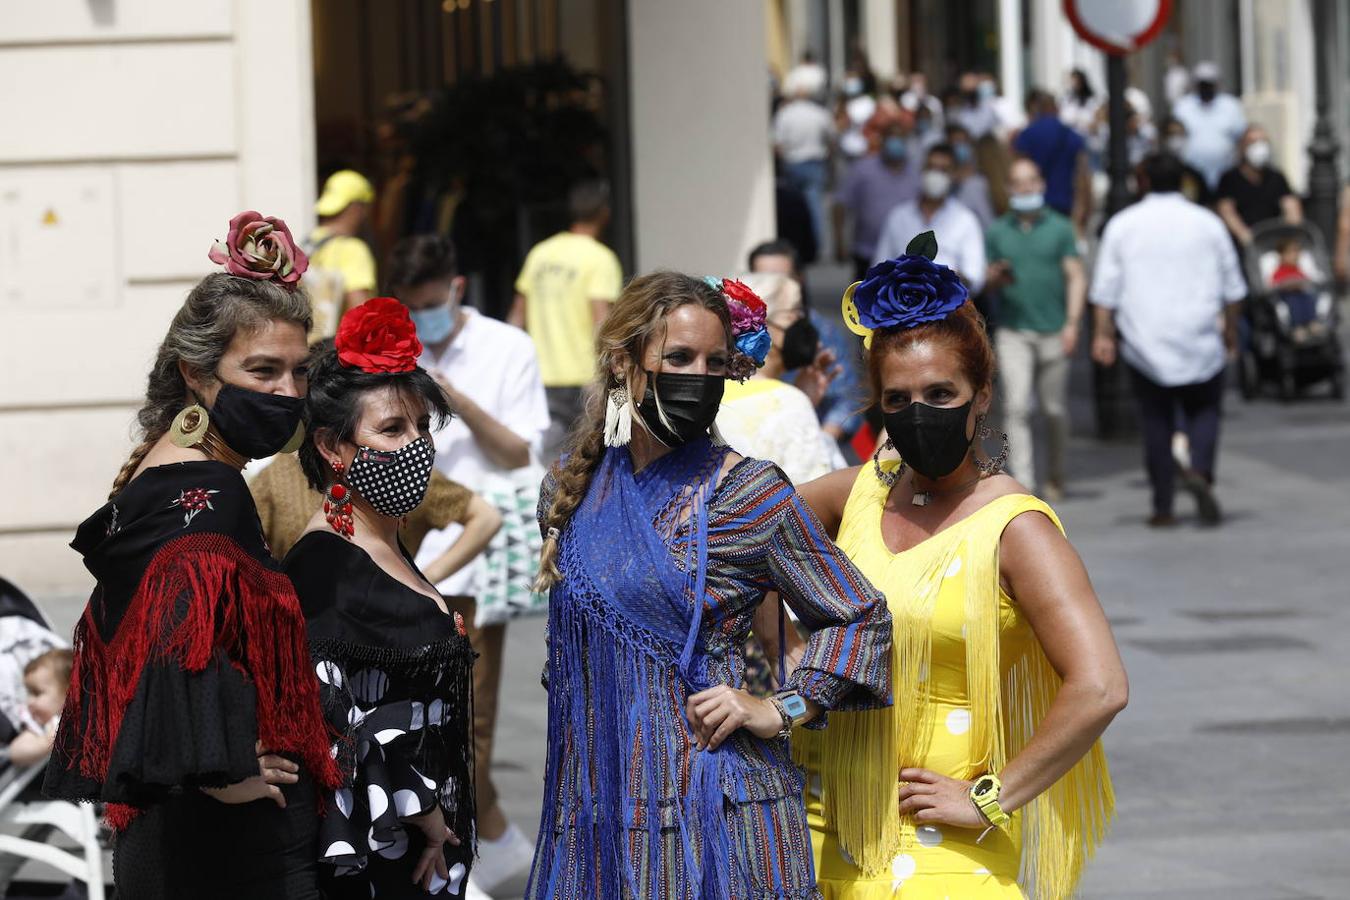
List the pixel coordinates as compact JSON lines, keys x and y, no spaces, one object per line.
{"x":342,"y":265}
{"x":562,"y":295}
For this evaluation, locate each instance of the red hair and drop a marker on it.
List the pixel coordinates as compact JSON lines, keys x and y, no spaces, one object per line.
{"x":963,"y":334}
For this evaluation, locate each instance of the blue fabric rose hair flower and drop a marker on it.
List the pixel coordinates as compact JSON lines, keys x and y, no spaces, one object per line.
{"x":904,"y":292}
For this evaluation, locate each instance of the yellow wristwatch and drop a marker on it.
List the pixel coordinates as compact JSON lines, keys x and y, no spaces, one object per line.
{"x":984,"y":794}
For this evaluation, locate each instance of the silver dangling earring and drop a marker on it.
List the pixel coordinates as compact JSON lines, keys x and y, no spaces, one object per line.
{"x":618,"y":417}
{"x":994,"y":464}
{"x":887,"y":478}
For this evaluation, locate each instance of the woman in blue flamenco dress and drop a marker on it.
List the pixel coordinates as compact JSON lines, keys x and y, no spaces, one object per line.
{"x":664,"y":777}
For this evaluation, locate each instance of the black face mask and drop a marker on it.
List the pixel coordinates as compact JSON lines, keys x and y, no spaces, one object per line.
{"x":930,"y":439}
{"x":801,"y":342}
{"x":690,"y":403}
{"x":1207,"y":90}
{"x":253,"y":423}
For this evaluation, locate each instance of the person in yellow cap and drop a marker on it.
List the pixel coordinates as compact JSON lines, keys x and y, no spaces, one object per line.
{"x":342,"y":268}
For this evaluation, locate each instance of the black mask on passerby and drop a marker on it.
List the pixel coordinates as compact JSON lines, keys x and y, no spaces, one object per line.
{"x":690,"y":403}
{"x":1207,"y":90}
{"x":930,"y":439}
{"x":255,"y":424}
{"x":801,"y":343}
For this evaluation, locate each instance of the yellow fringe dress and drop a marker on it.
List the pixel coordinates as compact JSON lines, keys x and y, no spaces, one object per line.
{"x":970,"y":684}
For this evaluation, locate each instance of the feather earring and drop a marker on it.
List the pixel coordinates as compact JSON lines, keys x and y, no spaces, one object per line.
{"x":618,"y":418}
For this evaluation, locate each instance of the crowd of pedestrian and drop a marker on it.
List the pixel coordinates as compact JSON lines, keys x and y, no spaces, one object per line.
{"x":1015,"y":197}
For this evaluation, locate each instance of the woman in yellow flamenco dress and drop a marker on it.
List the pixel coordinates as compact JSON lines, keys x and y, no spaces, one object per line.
{"x":1004,"y":664}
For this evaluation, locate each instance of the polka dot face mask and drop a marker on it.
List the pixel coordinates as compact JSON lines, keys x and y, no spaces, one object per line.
{"x":393,"y":481}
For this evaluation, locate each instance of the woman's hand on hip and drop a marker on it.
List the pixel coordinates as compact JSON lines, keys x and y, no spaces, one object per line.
{"x":273,"y":770}
{"x":933,"y":799}
{"x":716,"y":713}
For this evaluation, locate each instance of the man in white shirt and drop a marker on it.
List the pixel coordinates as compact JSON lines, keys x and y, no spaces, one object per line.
{"x":959,"y":235}
{"x":1166,"y":277}
{"x":1214,"y":124}
{"x":802,"y":133}
{"x":490,"y":374}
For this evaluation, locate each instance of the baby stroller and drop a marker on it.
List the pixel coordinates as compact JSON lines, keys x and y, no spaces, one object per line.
{"x":29,"y":821}
{"x":1278,"y":352}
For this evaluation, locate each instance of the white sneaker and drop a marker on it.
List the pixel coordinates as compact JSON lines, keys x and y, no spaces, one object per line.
{"x":502,"y":861}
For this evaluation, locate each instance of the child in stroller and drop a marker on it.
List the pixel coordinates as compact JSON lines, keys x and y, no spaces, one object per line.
{"x":1296,"y":291}
{"x":1291,"y":311}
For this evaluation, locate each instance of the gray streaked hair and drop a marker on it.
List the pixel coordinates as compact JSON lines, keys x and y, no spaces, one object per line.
{"x":201,"y":331}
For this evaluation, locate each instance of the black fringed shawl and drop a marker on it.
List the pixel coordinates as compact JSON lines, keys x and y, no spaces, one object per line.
{"x":192,"y":648}
{"x":396,"y":682}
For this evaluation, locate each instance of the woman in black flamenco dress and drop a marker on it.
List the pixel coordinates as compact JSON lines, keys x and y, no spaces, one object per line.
{"x":394,"y":666}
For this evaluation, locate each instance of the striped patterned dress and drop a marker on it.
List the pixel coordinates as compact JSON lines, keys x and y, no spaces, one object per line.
{"x":760,"y":537}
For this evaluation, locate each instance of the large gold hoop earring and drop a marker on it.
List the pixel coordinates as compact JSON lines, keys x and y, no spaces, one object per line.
{"x":296,"y":440}
{"x":189,"y":426}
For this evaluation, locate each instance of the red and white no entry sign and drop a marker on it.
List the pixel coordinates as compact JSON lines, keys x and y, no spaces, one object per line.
{"x":1118,"y":26}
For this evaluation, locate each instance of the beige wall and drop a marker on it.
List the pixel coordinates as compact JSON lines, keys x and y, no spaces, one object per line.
{"x":141,"y":127}
{"x":702,"y":173}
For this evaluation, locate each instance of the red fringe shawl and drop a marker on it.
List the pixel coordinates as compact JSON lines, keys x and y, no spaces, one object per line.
{"x":235,"y":604}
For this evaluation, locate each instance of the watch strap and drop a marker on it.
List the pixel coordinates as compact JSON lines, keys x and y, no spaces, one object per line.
{"x":786,"y":730}
{"x":984,"y":794}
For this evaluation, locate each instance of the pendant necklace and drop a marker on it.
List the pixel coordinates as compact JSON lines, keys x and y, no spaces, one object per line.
{"x":923,"y":498}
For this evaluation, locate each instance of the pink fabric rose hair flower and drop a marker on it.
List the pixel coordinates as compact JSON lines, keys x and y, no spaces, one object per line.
{"x":260,"y":247}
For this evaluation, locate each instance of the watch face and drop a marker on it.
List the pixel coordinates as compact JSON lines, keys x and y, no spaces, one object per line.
{"x":794,"y":705}
{"x":983,"y":786}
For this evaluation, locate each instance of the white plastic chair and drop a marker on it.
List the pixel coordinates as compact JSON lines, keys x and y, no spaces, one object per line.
{"x":75,"y":819}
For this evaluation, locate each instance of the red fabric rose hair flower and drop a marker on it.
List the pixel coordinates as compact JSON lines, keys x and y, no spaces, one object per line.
{"x":735,"y":289}
{"x":378,"y":337}
{"x":262,"y":248}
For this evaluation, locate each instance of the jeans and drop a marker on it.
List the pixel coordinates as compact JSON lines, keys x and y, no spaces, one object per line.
{"x":1302,"y":307}
{"x":565,"y":406}
{"x":1199,"y":406}
{"x":489,"y":643}
{"x":809,"y":176}
{"x":1034,"y":370}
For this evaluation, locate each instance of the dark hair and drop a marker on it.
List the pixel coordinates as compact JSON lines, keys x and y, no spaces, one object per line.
{"x":588,"y":200}
{"x":59,"y":660}
{"x":963,"y":333}
{"x":954,"y":128}
{"x":1173,"y":120}
{"x":940,"y":149}
{"x":1039,"y":101}
{"x":1085,"y":89}
{"x":418,"y":259}
{"x":334,"y":404}
{"x":775,"y":247}
{"x":1163,"y":172}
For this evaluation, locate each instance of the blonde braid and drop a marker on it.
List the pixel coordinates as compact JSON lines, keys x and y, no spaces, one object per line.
{"x":572,"y":478}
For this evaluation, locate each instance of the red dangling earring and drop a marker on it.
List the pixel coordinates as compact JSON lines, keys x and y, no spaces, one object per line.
{"x":337,"y":505}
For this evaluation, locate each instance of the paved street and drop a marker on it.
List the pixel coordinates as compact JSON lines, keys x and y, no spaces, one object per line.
{"x":1228,"y":762}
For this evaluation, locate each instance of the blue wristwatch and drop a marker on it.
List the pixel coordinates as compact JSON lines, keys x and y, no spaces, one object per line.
{"x":792,"y":706}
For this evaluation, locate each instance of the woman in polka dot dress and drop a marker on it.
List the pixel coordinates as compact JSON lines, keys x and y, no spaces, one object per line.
{"x":394,"y":666}
{"x":1003,"y":664}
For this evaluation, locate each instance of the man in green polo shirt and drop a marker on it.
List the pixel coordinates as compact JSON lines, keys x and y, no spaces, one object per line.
{"x":1033,"y":260}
